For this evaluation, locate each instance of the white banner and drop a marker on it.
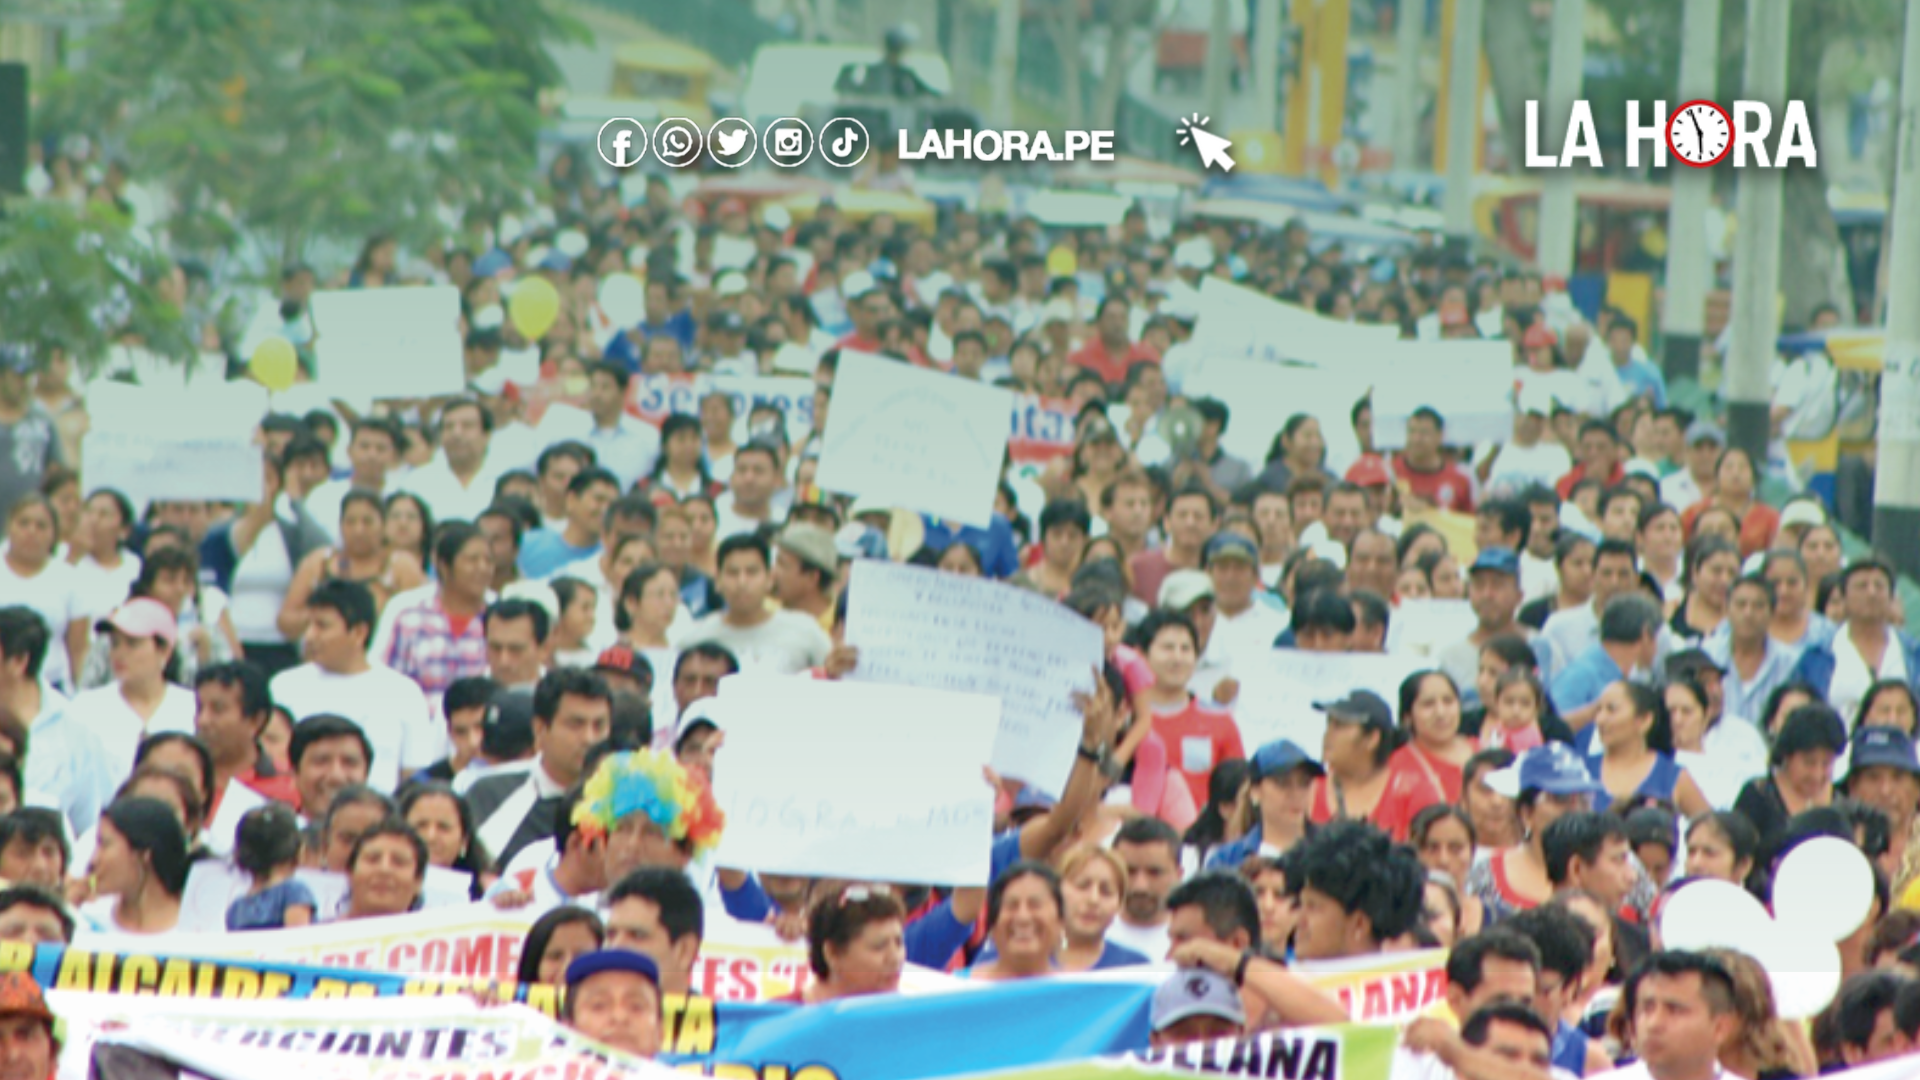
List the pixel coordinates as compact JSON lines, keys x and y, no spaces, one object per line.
{"x":389,"y":343}
{"x":1278,"y":697}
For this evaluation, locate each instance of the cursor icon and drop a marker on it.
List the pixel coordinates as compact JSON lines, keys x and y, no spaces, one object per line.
{"x":1213,"y":149}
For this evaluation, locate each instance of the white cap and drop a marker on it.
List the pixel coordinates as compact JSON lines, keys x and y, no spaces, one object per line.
{"x":1194,"y":253}
{"x":571,"y":242}
{"x":537,"y":591}
{"x":855,"y":283}
{"x":1536,"y":398}
{"x":731,"y":283}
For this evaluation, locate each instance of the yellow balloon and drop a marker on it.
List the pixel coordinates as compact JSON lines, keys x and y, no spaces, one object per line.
{"x":533,"y":307}
{"x":1062,"y":262}
{"x":273,"y":364}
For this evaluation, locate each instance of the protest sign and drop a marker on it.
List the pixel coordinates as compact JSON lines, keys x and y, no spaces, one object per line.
{"x":1347,"y":1052}
{"x":173,"y":444}
{"x":1389,"y":988}
{"x":403,"y":342}
{"x":918,"y":439}
{"x":1469,"y":383}
{"x":1263,"y":395}
{"x":1237,"y":322}
{"x":1423,"y":627}
{"x":800,"y":799}
{"x":1042,"y":429}
{"x":1279,"y":694}
{"x":919,"y":627}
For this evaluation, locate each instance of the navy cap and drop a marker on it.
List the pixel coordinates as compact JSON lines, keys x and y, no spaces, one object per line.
{"x":1229,"y":545}
{"x":587,"y":965}
{"x":1498,"y":559}
{"x":1553,"y":769}
{"x":1882,"y":747}
{"x":1281,"y":756}
{"x":493,"y":262}
{"x":1363,"y":706}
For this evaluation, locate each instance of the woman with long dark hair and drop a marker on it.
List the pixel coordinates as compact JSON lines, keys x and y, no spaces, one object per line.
{"x":1630,"y":751}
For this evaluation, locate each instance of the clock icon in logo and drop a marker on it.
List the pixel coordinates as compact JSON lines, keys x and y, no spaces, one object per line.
{"x":1700,"y":133}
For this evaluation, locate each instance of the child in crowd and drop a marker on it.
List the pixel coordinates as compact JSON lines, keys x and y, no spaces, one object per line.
{"x":266,"y":844}
{"x":1518,"y":702}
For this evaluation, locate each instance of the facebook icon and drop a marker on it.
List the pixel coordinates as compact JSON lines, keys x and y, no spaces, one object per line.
{"x":622,"y":142}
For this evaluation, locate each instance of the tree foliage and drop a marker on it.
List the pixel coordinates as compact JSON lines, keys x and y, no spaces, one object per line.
{"x":283,"y":121}
{"x":82,"y":281}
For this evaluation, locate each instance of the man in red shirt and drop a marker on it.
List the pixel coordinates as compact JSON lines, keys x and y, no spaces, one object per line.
{"x":1109,"y":353}
{"x":1189,"y":522}
{"x":1430,"y":478}
{"x":1599,"y":457}
{"x":232,"y":707}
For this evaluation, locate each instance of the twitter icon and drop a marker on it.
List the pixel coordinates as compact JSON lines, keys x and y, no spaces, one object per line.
{"x":732,"y":142}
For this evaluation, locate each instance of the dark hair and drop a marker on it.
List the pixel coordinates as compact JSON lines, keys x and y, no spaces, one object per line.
{"x":1742,"y":838}
{"x":1466,"y":964}
{"x":1429,"y":816}
{"x":706,"y":650}
{"x":1225,"y":900}
{"x":590,"y":476}
{"x":1564,"y":939}
{"x":450,"y":539}
{"x":1410,"y":693}
{"x":1861,"y":1001}
{"x":1223,"y":786}
{"x":427,"y":545}
{"x":268,"y":837}
{"x":1323,"y":610}
{"x":351,"y":600}
{"x":33,"y":825}
{"x":1161,"y":619}
{"x":1479,"y":1027}
{"x":1142,"y":831}
{"x":151,"y":829}
{"x":739,"y":542}
{"x":468,"y":692}
{"x":632,"y":588}
{"x":255,"y":698}
{"x":1716,"y":983}
{"x":390,"y":826}
{"x":543,"y":929}
{"x":473,"y":857}
{"x":1582,"y":834}
{"x":1370,"y":609}
{"x":1511,"y":515}
{"x":321,"y":727}
{"x":561,"y":682}
{"x":1809,"y":727}
{"x":578,"y":452}
{"x":24,"y":633}
{"x":1873,"y":694}
{"x":1059,"y":512}
{"x":201,"y":754}
{"x":1361,"y":869}
{"x":14,"y":896}
{"x":681,"y":912}
{"x":1026,"y":868}
{"x":840,"y":917}
{"x":486,"y":415}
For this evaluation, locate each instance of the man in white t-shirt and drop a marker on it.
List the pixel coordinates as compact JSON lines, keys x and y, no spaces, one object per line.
{"x":1531,"y":456}
{"x":373,"y":450}
{"x":339,"y":679}
{"x":1243,"y":628}
{"x":764,"y":638}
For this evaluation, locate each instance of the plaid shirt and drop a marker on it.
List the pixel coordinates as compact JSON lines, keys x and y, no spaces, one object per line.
{"x":425,"y":649}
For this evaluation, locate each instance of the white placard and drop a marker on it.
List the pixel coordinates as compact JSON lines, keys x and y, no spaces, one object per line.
{"x":1469,"y":383}
{"x":1900,"y":393}
{"x":1235,"y":321}
{"x":1262,"y":395}
{"x":914,"y":438}
{"x":798,"y":783}
{"x":145,"y":468}
{"x":1277,"y":696}
{"x":388,"y":343}
{"x":919,"y":627}
{"x":1421,"y":628}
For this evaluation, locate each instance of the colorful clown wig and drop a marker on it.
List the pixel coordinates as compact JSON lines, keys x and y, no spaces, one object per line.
{"x":675,"y":798}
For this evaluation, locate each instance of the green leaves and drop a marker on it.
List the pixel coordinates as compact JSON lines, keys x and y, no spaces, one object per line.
{"x":290,"y":122}
{"x":81,"y":281}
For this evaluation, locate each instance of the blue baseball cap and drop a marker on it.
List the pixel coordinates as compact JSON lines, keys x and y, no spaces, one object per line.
{"x":587,"y":965}
{"x":1553,"y":769}
{"x":1498,"y":559}
{"x":1229,"y":545}
{"x":493,"y":262}
{"x":1282,"y":756}
{"x":1882,"y":747}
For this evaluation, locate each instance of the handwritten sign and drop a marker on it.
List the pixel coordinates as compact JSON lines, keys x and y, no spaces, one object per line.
{"x":173,"y":444}
{"x":919,"y":627}
{"x":1277,"y":697}
{"x":797,"y":782}
{"x":389,"y":343}
{"x":914,"y":438}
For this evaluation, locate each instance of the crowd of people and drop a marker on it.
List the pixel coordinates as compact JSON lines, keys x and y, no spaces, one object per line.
{"x":439,"y":648}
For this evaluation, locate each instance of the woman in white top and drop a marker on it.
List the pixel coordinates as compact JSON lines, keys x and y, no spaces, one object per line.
{"x":103,"y":569}
{"x":1721,"y":755}
{"x":139,"y":868}
{"x":30,"y":576}
{"x":140,"y":700}
{"x":649,"y":598}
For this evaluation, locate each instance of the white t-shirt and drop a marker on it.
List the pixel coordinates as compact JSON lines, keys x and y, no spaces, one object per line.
{"x":786,"y":644}
{"x":1151,"y":942}
{"x":54,"y":595}
{"x":118,"y":729}
{"x":101,"y":590}
{"x":1519,"y":467}
{"x":260,"y":582}
{"x":389,"y":707}
{"x":1851,"y":675}
{"x":1240,"y":641}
